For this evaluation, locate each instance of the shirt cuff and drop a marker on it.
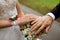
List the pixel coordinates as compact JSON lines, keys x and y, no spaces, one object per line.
{"x":52,"y":15}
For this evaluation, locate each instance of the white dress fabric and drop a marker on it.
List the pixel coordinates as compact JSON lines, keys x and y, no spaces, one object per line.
{"x":8,"y":9}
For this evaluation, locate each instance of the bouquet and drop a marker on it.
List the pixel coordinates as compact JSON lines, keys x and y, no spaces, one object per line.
{"x":27,"y":34}
{"x":25,"y":31}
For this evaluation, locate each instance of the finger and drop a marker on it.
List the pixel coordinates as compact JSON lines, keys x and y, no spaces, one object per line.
{"x":36,"y":25}
{"x":38,"y":35}
{"x":47,"y":29}
{"x":31,"y":20}
{"x":35,"y":20}
{"x":33,"y":26}
{"x":40,"y":29}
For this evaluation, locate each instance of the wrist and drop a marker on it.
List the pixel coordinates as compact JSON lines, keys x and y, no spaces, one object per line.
{"x":14,"y":23}
{"x":49,"y":17}
{"x":10,"y":22}
{"x":19,"y":21}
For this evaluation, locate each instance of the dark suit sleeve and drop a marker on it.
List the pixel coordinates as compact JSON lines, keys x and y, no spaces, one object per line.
{"x":56,"y":11}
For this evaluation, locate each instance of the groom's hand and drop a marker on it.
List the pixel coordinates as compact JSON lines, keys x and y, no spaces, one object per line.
{"x":40,"y":24}
{"x":26,"y":19}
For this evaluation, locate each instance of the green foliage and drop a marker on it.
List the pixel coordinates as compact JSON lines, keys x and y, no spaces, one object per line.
{"x":42,"y":6}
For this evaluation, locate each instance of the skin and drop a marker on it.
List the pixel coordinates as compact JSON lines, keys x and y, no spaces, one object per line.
{"x":6,"y":23}
{"x":23,"y":19}
{"x":26,"y":19}
{"x":42,"y":24}
{"x":19,"y":11}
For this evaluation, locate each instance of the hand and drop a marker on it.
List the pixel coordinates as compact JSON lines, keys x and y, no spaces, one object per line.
{"x":40,"y":24}
{"x":26,"y":19}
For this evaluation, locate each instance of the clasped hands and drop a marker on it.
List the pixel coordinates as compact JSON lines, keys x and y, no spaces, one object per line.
{"x":40,"y":24}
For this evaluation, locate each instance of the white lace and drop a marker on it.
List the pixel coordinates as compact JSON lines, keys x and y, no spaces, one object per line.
{"x":7,"y":8}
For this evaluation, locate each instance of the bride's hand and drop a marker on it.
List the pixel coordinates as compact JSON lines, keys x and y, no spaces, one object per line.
{"x":26,"y":19}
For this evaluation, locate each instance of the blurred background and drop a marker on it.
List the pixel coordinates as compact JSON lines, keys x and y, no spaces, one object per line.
{"x":42,"y":6}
